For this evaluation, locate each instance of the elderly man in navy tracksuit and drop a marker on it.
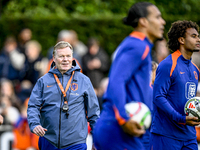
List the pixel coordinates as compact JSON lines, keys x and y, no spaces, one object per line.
{"x":61,"y":104}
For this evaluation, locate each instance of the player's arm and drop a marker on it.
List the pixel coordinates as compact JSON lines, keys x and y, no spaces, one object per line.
{"x":123,"y":68}
{"x":160,"y":90}
{"x":161,"y":87}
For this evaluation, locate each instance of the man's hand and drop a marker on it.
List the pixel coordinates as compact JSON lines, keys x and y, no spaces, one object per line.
{"x":133,"y":128}
{"x":192,"y":121}
{"x":39,"y":130}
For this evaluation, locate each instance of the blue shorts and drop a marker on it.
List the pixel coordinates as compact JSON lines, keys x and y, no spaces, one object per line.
{"x":146,"y":139}
{"x":159,"y":142}
{"x":108,"y":135}
{"x":44,"y":144}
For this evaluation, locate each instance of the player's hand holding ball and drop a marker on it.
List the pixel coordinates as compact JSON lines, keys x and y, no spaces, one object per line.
{"x":133,"y":128}
{"x":140,"y":118}
{"x":192,"y":111}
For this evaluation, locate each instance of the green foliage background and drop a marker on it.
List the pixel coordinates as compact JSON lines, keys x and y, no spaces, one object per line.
{"x":99,"y":18}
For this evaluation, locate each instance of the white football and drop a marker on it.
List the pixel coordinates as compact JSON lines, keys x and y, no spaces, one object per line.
{"x":192,"y":107}
{"x":139,"y":112}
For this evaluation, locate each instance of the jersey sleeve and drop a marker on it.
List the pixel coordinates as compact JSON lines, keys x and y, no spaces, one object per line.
{"x":123,"y":68}
{"x":161,"y":87}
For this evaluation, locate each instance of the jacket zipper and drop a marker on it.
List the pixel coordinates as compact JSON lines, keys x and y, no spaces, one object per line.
{"x":60,"y":118}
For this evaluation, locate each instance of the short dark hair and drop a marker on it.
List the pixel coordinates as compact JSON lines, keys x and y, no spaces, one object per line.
{"x":92,"y":41}
{"x":178,"y":29}
{"x":137,"y":11}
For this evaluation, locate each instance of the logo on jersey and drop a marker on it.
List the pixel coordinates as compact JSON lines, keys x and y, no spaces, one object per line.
{"x":182,"y":72}
{"x":74,"y":86}
{"x":190,"y":90}
{"x":195,"y":75}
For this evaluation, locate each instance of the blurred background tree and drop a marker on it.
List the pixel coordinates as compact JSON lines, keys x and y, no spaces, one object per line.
{"x":100,"y":18}
{"x":63,"y":9}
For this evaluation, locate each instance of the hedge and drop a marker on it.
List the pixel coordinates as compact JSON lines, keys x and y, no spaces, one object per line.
{"x":110,"y":31}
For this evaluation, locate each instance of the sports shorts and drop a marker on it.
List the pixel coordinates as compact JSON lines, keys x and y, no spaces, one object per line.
{"x":160,"y":142}
{"x":108,"y":135}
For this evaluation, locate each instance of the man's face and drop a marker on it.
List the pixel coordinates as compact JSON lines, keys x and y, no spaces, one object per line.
{"x":155,"y":24}
{"x":63,"y":59}
{"x":191,"y":40}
